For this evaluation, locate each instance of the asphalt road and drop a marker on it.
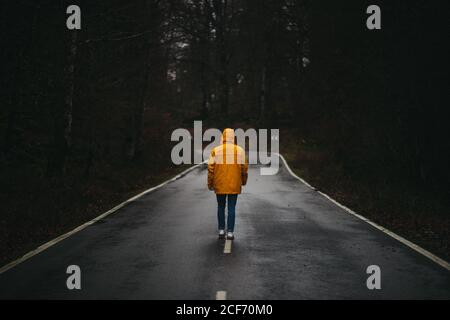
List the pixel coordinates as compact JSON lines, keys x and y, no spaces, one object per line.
{"x":291,"y":243}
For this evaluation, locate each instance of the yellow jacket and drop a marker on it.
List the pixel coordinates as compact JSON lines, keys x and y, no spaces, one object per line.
{"x":227,"y":166}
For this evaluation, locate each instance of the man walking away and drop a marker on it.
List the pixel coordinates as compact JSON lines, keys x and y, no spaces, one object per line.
{"x":227,"y":172}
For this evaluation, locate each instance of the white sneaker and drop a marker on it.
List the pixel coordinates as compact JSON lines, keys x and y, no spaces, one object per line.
{"x":230,"y":236}
{"x":221,"y":234}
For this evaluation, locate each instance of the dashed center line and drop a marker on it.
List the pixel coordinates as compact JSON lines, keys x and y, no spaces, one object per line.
{"x":221,"y":295}
{"x":227,"y":248}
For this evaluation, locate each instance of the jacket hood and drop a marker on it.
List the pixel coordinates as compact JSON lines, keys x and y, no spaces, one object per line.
{"x":228,"y":136}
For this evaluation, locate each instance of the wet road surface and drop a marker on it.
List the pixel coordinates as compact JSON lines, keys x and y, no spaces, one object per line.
{"x":290,"y":243}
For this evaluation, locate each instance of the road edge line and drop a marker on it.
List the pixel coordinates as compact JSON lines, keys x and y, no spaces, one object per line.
{"x":60,"y":238}
{"x":406,"y":242}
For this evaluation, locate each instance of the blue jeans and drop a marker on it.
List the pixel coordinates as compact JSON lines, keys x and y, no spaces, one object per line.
{"x":232,"y":199}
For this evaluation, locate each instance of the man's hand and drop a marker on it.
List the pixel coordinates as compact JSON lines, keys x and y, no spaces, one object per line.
{"x":211,"y":188}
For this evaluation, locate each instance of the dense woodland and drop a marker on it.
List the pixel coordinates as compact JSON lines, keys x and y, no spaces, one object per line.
{"x":86,"y":115}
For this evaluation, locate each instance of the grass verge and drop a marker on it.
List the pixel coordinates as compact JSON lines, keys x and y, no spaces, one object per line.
{"x":416,"y":212}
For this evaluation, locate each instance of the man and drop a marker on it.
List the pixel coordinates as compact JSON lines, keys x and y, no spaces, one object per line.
{"x":227,"y":172}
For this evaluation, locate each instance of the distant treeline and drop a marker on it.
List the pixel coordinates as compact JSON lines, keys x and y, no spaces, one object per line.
{"x":111,"y":92}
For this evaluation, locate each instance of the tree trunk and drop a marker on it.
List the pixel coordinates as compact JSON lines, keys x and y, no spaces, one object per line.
{"x":135,"y":139}
{"x":262,"y":94}
{"x":221,"y":47}
{"x":63,"y":125}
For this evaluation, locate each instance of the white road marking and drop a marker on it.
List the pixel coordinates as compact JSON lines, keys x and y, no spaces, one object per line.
{"x":293,"y":174}
{"x":227,"y":247}
{"x":79,"y":228}
{"x":408,"y":243}
{"x":221,"y":295}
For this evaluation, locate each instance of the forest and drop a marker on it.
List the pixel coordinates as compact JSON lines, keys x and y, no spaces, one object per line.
{"x":86,"y":115}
